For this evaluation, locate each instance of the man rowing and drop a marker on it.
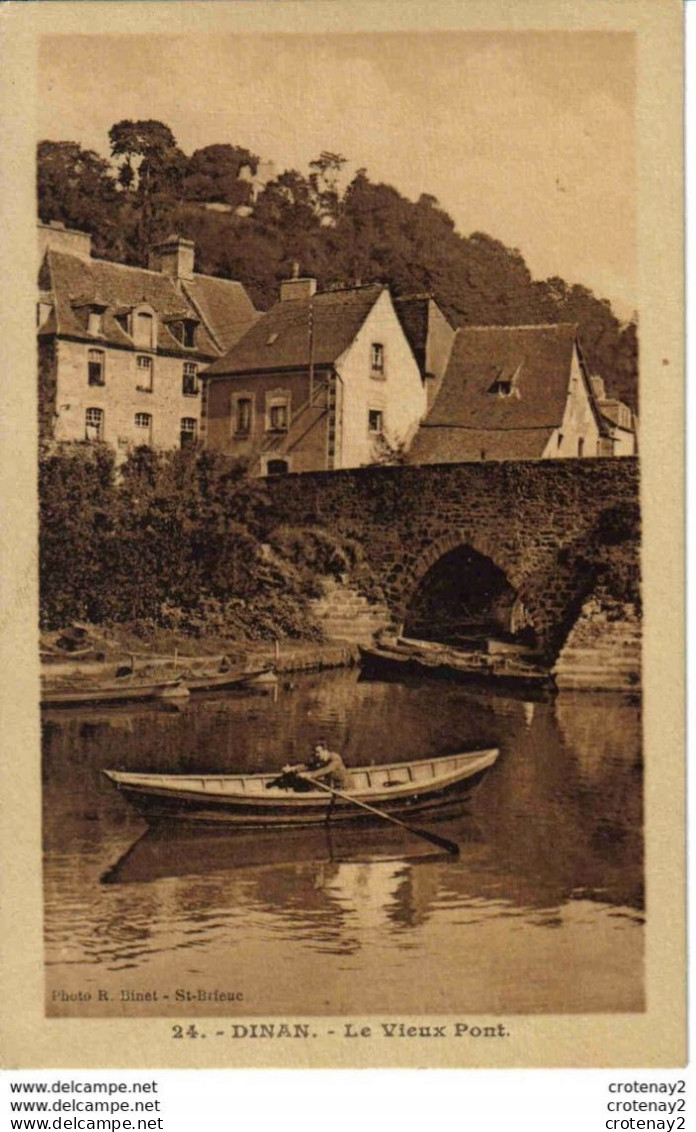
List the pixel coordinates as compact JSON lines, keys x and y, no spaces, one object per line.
{"x":324,"y":764}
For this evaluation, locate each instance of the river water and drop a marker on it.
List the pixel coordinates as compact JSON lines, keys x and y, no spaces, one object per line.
{"x":541,"y":913}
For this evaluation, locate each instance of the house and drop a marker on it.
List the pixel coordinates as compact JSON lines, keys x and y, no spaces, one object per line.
{"x":121,"y":348}
{"x":321,"y":381}
{"x":619,"y":419}
{"x":513,"y":393}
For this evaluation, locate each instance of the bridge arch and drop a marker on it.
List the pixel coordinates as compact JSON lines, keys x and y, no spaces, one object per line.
{"x":555,"y":528}
{"x":459,"y":584}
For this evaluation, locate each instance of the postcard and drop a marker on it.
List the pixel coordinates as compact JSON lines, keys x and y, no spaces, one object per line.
{"x":344,"y":600}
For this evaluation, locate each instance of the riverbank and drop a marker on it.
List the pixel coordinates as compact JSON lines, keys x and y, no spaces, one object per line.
{"x":109,"y":652}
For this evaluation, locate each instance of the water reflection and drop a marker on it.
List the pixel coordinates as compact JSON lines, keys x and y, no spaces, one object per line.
{"x":541,"y":912}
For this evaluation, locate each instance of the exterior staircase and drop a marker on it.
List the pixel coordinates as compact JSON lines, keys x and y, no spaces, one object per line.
{"x":344,"y":614}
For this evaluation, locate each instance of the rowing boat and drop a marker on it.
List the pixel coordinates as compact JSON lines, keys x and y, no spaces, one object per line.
{"x":112,"y":693}
{"x":256,"y":800}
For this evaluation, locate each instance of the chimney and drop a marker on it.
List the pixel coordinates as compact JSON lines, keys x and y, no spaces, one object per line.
{"x":598,"y":388}
{"x":173,"y":257}
{"x":297,"y":288}
{"x":61,"y":239}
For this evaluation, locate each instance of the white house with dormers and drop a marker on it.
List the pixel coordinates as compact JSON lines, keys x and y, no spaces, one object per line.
{"x":515,"y":393}
{"x":324,"y":380}
{"x":121,"y":348}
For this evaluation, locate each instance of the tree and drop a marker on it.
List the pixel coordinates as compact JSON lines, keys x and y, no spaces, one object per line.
{"x":212,"y":174}
{"x":77,"y":187}
{"x":152,"y":170}
{"x":324,"y":180}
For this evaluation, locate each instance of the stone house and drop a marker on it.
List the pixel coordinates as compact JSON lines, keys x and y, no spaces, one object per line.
{"x":121,"y":348}
{"x":321,"y":381}
{"x":514,"y":393}
{"x":620,"y":421}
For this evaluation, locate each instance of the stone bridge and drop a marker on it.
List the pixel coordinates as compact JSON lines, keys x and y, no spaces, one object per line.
{"x":548,"y":529}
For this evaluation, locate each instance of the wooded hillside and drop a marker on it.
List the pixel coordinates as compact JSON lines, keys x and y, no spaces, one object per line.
{"x":365,"y":232}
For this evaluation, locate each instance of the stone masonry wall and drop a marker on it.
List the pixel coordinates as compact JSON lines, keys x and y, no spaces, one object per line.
{"x":603,"y":649}
{"x":549,"y":525}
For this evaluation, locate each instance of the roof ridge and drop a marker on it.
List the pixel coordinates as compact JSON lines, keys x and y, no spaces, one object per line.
{"x":519,"y":326}
{"x":108,"y":262}
{"x":330,"y":291}
{"x":216,"y":278}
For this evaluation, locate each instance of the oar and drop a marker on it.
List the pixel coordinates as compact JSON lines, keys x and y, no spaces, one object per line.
{"x":442,"y":842}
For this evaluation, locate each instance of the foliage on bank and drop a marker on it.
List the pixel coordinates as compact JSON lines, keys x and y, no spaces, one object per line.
{"x":183,"y":540}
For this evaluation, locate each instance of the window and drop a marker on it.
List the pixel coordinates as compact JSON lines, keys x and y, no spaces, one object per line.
{"x":189,"y":431}
{"x":94,"y":424}
{"x":190,"y":385}
{"x":144,"y":367}
{"x":184,"y":330}
{"x":144,"y":329}
{"x":95,"y":367}
{"x":94,"y":322}
{"x":375,"y":421}
{"x":143,"y":423}
{"x":581,"y":447}
{"x":277,"y":468}
{"x":242,"y":418}
{"x":278,"y":417}
{"x":377,"y":358}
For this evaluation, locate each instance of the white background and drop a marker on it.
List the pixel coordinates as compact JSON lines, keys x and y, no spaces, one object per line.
{"x":430,"y":1100}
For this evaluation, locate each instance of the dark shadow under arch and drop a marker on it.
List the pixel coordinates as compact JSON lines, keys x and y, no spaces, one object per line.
{"x":464,"y":594}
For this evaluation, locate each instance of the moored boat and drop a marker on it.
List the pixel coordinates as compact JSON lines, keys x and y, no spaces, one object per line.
{"x":446,"y":664}
{"x":121,"y":693}
{"x":258,"y":800}
{"x":219,"y":681}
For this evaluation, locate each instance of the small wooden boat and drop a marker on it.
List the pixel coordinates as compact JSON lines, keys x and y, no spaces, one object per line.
{"x":412,"y":659}
{"x":235,"y":678}
{"x":121,"y":693}
{"x":256,"y":799}
{"x":448,"y":665}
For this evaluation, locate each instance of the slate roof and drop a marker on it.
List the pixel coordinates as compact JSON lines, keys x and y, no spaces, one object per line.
{"x":76,"y":283}
{"x":280,"y":338}
{"x":469,"y":417}
{"x":459,"y":445}
{"x":224,"y":305}
{"x":536,"y":358}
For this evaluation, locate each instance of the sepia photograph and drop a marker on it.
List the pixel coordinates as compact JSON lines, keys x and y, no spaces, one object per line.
{"x":341,"y":412}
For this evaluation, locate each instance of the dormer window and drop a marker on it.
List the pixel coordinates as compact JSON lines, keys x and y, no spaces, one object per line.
{"x":377,"y":359}
{"x":505,"y":384}
{"x":94,"y":322}
{"x":144,"y":329}
{"x":184,"y":330}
